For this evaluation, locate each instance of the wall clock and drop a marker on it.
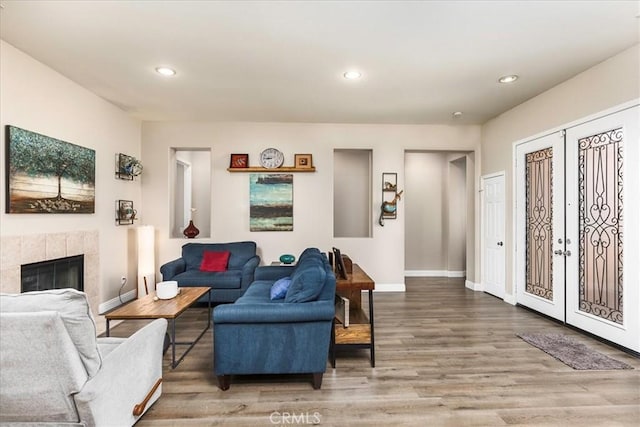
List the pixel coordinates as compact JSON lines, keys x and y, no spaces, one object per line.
{"x":271,"y":158}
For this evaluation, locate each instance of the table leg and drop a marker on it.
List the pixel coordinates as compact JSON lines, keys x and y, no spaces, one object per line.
{"x":373,"y":350}
{"x":173,"y":343}
{"x":192,"y":343}
{"x":107,"y":333}
{"x":332,"y":348}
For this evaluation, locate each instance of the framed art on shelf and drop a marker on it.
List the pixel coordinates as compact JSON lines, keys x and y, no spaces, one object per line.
{"x":239,"y":161}
{"x":303,"y":161}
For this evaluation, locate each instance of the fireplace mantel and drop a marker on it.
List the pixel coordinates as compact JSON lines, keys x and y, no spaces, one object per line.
{"x":26,"y":249}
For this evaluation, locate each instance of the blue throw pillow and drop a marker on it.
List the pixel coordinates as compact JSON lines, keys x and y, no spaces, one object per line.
{"x":280,"y":287}
{"x":306,"y":284}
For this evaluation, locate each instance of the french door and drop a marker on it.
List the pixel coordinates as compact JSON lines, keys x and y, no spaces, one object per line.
{"x":578,"y":226}
{"x":540,"y":267}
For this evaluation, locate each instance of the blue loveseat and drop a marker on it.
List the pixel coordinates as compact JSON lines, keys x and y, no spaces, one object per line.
{"x":289,"y":335}
{"x":228,"y":285}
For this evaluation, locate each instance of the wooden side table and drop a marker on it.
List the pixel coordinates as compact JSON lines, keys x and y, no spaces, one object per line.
{"x":360,"y":332}
{"x":170,"y":309}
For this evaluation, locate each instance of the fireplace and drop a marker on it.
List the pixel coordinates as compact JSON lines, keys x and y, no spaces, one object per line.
{"x":53,"y":274}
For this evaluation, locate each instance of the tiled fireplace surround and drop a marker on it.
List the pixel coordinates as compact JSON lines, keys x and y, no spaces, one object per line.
{"x":26,"y":249}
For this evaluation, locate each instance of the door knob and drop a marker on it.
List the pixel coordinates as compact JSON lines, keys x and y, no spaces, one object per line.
{"x":558,"y":252}
{"x":567,"y":253}
{"x":500,"y":243}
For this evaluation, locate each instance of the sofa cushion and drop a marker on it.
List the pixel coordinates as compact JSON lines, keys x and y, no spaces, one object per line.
{"x":306,"y":284}
{"x":280,"y":288}
{"x":214,"y":261}
{"x":241,"y":252}
{"x":73,"y":307}
{"x":257,"y":293}
{"x":230,"y":279}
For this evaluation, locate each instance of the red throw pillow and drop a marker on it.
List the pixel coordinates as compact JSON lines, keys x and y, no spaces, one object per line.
{"x":214,"y":261}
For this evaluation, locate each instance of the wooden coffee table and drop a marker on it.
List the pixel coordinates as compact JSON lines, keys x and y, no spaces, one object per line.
{"x":170,"y":309}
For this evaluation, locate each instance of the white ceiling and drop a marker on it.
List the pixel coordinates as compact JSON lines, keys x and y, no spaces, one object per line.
{"x":283,"y":60}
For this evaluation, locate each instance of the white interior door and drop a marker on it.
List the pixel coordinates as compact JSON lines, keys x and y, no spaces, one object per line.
{"x":540,"y":225}
{"x":493,"y":234}
{"x":603,"y":224}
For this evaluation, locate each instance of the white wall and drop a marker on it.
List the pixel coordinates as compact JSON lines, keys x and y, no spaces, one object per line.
{"x":610,"y":83}
{"x":425,"y":203}
{"x":382,"y":255}
{"x":352,"y":193}
{"x":37,"y":98}
{"x":457,"y":236}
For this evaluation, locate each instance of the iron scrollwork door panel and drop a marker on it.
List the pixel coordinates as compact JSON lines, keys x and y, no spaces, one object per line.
{"x":603,"y":190}
{"x":539,"y":222}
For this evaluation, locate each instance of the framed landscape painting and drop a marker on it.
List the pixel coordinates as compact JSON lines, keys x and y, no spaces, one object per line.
{"x":271,"y":202}
{"x":47,"y":175}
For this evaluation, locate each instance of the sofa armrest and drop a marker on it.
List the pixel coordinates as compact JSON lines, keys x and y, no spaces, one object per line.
{"x":273,"y":272}
{"x":172,"y":268}
{"x":274,"y":312}
{"x":248,"y":271}
{"x":127,"y":375}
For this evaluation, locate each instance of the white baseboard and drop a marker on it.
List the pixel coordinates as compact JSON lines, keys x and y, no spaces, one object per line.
{"x":473,"y":286}
{"x":434,"y":273}
{"x":115,"y":302}
{"x":510,"y":299}
{"x":390,"y":287}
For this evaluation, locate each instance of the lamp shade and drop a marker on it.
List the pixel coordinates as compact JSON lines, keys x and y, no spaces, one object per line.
{"x":146,"y":260}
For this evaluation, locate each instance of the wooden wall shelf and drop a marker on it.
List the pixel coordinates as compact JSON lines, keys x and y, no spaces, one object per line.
{"x":272,"y":170}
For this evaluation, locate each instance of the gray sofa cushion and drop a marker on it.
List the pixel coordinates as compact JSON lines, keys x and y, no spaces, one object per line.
{"x":74,"y":310}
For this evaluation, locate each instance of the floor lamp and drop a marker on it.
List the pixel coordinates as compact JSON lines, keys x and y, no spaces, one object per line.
{"x":146,"y":260}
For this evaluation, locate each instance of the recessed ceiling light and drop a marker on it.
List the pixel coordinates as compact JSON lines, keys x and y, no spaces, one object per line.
{"x":456,"y":114}
{"x":352,"y":75}
{"x":508,"y":79}
{"x":166,"y":71}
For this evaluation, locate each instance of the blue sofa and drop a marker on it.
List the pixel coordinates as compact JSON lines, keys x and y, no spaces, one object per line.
{"x":290,"y":335}
{"x":227,"y":285}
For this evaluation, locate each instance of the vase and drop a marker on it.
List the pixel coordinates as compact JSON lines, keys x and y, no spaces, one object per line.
{"x":191,"y":231}
{"x":287,"y":259}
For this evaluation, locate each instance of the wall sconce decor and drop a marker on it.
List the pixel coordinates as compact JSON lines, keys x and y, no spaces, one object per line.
{"x":127,"y":167}
{"x":390,"y":197}
{"x":125,"y":214}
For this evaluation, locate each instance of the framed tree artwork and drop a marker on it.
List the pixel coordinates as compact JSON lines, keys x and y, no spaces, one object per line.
{"x":47,"y":175}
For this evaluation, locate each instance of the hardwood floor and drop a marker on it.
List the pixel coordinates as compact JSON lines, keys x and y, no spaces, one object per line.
{"x":445,"y":356}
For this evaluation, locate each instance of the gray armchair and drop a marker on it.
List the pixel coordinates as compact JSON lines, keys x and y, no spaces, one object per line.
{"x":53,"y":369}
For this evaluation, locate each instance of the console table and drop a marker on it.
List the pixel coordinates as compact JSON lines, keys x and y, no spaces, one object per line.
{"x":360,"y":332}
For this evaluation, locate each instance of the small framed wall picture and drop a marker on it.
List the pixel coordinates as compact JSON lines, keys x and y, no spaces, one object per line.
{"x":239,"y":161}
{"x":303,"y":161}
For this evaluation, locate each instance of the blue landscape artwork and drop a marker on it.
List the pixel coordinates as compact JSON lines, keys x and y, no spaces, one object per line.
{"x":271,"y":202}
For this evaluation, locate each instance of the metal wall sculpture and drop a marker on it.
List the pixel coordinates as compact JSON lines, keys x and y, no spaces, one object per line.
{"x":600,"y":224}
{"x":539,"y":232}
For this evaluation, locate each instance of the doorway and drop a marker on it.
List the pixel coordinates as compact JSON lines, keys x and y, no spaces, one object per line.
{"x":576,"y":215}
{"x":438,"y":202}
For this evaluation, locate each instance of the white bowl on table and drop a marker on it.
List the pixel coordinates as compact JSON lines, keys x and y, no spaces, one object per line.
{"x":167,"y":290}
